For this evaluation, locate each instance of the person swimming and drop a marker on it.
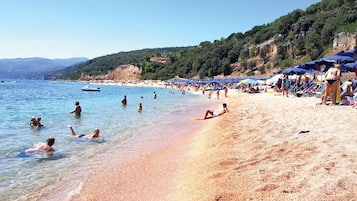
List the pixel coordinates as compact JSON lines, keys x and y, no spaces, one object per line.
{"x":44,"y":147}
{"x":85,"y":136}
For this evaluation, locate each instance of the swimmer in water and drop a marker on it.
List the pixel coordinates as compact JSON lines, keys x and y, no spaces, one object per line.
{"x":85,"y":136}
{"x":44,"y":147}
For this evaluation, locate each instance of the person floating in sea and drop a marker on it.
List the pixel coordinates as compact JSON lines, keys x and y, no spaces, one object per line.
{"x":140,"y":108}
{"x":211,"y":114}
{"x":77,"y":109}
{"x":155,"y":95}
{"x":124,"y":101}
{"x":33,"y":122}
{"x":36,"y":122}
{"x":45,"y":147}
{"x":39,"y":123}
{"x":85,"y":136}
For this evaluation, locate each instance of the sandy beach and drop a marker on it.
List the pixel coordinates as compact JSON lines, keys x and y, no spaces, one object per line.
{"x":254,"y":152}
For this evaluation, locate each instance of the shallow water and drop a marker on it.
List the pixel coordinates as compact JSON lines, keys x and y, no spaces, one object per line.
{"x":24,"y":177}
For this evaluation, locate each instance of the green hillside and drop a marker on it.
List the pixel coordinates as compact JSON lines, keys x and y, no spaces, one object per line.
{"x":299,"y":36}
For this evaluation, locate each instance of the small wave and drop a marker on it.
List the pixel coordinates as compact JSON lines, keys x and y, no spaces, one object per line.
{"x":76,"y":191}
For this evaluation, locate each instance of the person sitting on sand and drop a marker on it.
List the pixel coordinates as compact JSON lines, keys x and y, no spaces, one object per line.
{"x":211,"y":114}
{"x":45,"y":147}
{"x":85,"y":136}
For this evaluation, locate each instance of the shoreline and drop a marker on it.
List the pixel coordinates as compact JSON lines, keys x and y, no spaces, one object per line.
{"x":253,"y":152}
{"x":142,"y":155}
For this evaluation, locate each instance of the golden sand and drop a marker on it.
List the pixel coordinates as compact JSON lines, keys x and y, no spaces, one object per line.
{"x":254,"y":152}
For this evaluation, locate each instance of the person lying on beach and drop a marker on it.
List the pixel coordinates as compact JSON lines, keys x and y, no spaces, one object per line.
{"x":211,"y":114}
{"x":45,"y":147}
{"x":85,"y":136}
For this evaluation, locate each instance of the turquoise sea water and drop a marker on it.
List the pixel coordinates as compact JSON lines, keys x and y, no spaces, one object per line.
{"x":27,"y":177}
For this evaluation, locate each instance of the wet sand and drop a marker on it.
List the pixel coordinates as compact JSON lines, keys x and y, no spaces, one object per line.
{"x":254,"y":152}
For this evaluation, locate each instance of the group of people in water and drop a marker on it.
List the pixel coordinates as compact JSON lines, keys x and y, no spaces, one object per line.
{"x":124,"y":101}
{"x":35,"y":122}
{"x":46,"y":147}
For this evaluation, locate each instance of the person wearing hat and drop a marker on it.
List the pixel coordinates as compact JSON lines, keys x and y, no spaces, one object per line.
{"x":332,"y":78}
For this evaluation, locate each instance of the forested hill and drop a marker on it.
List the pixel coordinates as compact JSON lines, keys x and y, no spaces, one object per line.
{"x":300,"y":36}
{"x":102,"y":65}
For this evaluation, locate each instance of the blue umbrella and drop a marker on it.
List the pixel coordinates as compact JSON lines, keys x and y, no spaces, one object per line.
{"x":335,"y":58}
{"x":294,"y":71}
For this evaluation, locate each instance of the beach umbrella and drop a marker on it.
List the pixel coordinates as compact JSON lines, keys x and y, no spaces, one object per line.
{"x":294,"y":71}
{"x":247,"y":82}
{"x":350,"y":67}
{"x":311,"y":65}
{"x":351,"y":53}
{"x":335,"y":58}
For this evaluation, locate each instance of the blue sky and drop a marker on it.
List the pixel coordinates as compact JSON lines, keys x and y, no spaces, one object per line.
{"x":92,"y":28}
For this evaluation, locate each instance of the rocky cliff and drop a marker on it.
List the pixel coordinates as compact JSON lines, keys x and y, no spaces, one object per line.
{"x":123,"y":72}
{"x":345,"y":41}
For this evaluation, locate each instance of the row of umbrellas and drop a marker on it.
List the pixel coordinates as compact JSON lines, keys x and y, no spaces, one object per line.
{"x":346,"y":58}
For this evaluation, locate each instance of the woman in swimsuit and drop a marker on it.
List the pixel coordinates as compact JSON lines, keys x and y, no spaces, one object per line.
{"x":332,"y":75}
{"x":85,"y":136}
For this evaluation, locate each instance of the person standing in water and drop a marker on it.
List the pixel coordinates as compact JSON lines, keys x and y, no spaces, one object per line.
{"x":77,"y":109}
{"x":124,"y":101}
{"x":140,"y":108}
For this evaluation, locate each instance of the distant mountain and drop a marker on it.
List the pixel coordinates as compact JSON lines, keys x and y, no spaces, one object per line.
{"x":35,"y":67}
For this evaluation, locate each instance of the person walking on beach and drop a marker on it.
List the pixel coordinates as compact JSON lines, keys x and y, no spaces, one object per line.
{"x":124,"y":101}
{"x":45,"y":147}
{"x":217,"y":94}
{"x":77,"y":109}
{"x":85,"y":136}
